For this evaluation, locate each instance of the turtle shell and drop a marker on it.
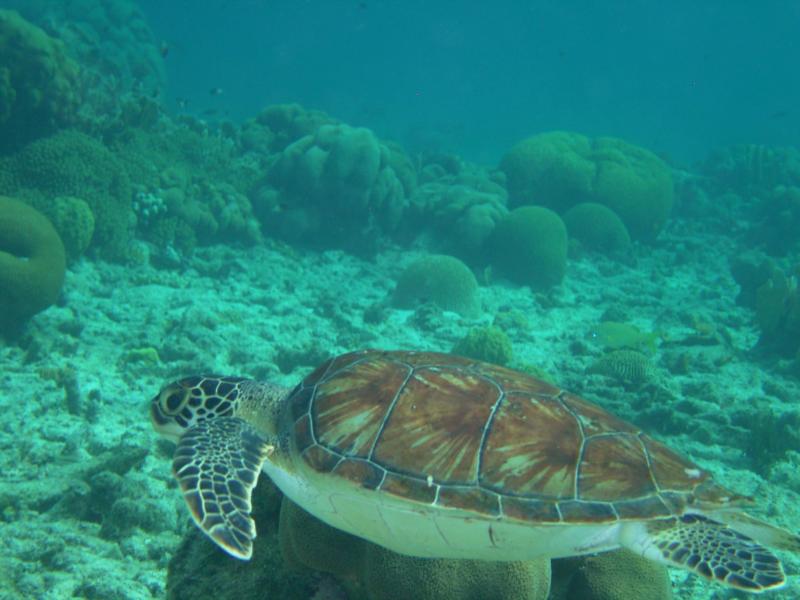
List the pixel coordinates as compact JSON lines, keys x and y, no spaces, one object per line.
{"x":455,"y":433}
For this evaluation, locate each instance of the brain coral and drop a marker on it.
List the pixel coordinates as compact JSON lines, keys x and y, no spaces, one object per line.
{"x":340,"y":187}
{"x":443,"y":280}
{"x":597,"y":227}
{"x":70,"y":163}
{"x":561,"y":169}
{"x":38,"y":82}
{"x":32,"y":263}
{"x":371,"y":571}
{"x":529,"y":246}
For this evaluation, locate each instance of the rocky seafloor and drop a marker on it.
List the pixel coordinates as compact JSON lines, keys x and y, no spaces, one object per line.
{"x":89,"y":506}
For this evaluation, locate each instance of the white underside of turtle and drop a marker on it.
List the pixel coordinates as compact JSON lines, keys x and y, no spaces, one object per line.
{"x":443,"y":533}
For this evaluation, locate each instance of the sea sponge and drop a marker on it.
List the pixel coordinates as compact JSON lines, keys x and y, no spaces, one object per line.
{"x":529,"y":246}
{"x":616,"y":575}
{"x":489,"y":344}
{"x":32,"y":263}
{"x":561,"y":169}
{"x":71,"y":163}
{"x":597,"y":227}
{"x":441,"y":279}
{"x":375,"y":573}
{"x":39,"y":88}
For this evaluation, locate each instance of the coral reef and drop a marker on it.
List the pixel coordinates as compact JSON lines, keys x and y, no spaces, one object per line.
{"x":279,"y":125}
{"x":71,"y":163}
{"x":561,"y":169}
{"x":628,"y":367}
{"x":371,"y":572}
{"x":73,"y":220}
{"x":618,"y":575}
{"x":32,"y":263}
{"x":340,"y":186}
{"x":596,"y":227}
{"x":39,"y":87}
{"x":529,"y":246}
{"x":489,"y":344}
{"x":441,"y":279}
{"x":456,"y":207}
{"x":752,"y":168}
{"x":121,"y":64}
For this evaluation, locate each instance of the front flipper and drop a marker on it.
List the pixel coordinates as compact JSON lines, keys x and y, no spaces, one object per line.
{"x":217,"y":463}
{"x":710,"y":549}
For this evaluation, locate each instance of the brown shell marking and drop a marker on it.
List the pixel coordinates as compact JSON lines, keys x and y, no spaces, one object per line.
{"x":452,"y":432}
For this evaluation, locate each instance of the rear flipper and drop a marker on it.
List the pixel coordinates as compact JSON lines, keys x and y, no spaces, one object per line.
{"x":708,"y":548}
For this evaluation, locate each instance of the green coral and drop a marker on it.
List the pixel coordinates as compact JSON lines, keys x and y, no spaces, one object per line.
{"x":553,"y":169}
{"x":71,"y":163}
{"x":628,"y":367}
{"x":529,"y":246}
{"x":370,"y":572}
{"x":597,"y":227}
{"x":74,"y":221}
{"x":32,"y":263}
{"x":635,"y":184}
{"x":337,"y":187}
{"x":460,"y":210}
{"x":489,"y":344}
{"x":561,"y":169}
{"x":39,"y":88}
{"x":441,"y":279}
{"x":617,"y":575}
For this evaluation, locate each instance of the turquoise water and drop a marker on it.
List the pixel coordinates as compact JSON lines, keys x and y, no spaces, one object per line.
{"x":603,"y":197}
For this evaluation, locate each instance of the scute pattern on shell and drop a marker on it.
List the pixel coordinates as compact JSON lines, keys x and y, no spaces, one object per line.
{"x":452,"y":432}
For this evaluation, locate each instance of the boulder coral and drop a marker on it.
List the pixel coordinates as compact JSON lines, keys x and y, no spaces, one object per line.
{"x":617,"y":575}
{"x":458,"y":211}
{"x":340,"y":187}
{"x":371,"y":572}
{"x":561,"y":169}
{"x":71,"y":163}
{"x":597,"y":227}
{"x":39,"y":89}
{"x":529,"y":247}
{"x":32,"y":263}
{"x":441,"y":279}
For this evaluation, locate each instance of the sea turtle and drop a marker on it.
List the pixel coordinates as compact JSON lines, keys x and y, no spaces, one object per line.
{"x":436,"y":455}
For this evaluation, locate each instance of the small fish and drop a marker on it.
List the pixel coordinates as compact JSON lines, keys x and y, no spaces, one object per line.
{"x":612,"y":335}
{"x":163,"y":49}
{"x":216,"y":91}
{"x":183,"y":103}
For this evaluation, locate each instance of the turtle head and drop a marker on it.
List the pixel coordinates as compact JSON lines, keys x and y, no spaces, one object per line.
{"x":185,"y":403}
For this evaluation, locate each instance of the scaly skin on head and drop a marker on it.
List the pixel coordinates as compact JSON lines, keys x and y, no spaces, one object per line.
{"x":185,"y":403}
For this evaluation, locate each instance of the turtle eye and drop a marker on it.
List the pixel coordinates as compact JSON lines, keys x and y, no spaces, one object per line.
{"x":172,"y":400}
